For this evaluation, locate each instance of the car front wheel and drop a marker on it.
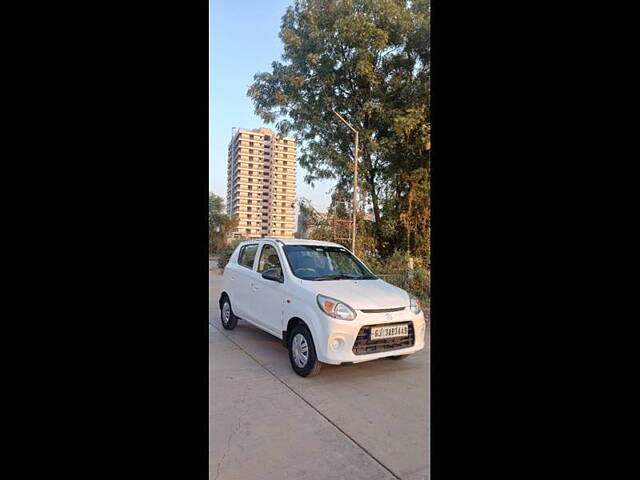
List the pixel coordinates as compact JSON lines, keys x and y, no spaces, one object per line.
{"x":228,"y":319}
{"x":302,"y":352}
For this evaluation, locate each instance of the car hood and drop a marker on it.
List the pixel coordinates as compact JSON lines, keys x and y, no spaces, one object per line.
{"x":361,"y":294}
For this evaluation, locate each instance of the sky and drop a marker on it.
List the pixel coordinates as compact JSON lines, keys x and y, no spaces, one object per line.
{"x":243,"y":40}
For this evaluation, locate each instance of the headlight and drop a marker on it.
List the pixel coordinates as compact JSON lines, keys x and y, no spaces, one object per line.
{"x":414,"y":306}
{"x":335,"y":308}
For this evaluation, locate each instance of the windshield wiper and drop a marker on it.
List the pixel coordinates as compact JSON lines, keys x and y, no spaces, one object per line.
{"x":366,"y":277}
{"x":340,"y":276}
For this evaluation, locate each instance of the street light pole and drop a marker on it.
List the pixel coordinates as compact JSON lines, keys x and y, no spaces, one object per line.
{"x":355,"y":181}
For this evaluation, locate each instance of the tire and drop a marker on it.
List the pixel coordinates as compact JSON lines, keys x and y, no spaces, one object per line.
{"x":399,"y":357}
{"x":227,"y":318}
{"x":299,"y":342}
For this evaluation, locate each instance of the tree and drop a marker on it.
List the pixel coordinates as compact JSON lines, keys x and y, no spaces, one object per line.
{"x":370,"y":61}
{"x":220,"y":224}
{"x":314,"y":225}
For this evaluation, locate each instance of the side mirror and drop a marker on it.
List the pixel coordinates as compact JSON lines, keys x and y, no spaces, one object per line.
{"x":273,"y":274}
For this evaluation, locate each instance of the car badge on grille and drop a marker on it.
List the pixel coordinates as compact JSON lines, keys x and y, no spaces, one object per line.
{"x":388,"y":317}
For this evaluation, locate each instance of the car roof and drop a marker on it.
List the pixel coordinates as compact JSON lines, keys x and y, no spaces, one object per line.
{"x":295,"y":241}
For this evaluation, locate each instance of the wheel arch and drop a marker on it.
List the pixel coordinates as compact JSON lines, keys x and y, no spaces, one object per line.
{"x":223,"y":295}
{"x":291,"y":324}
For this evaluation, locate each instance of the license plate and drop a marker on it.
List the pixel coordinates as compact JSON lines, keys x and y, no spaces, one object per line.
{"x":390,"y":331}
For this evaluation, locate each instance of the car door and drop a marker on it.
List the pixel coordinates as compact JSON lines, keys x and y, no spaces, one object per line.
{"x":243,"y":276}
{"x":268,"y":295}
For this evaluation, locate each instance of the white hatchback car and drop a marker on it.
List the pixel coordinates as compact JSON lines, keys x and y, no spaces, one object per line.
{"x":322,"y":301}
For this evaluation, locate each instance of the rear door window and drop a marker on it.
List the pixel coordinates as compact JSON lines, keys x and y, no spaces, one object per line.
{"x":247,"y":255}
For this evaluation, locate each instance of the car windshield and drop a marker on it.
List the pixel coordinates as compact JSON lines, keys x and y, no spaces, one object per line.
{"x":321,"y":262}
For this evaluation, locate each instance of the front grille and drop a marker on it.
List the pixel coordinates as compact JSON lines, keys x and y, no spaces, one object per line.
{"x":363,"y":345}
{"x":382,"y":310}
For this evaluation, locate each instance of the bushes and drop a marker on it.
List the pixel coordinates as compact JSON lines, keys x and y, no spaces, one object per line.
{"x":220,"y":224}
{"x":419,"y":284}
{"x":395,"y":270}
{"x":227,"y":251}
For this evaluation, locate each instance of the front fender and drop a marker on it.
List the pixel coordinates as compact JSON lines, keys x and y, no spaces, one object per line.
{"x":304,"y":310}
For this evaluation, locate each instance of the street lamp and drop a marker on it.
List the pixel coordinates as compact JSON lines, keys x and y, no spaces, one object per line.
{"x":355,"y":180}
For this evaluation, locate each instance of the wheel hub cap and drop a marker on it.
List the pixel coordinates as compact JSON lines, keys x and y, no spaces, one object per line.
{"x":226,"y":313}
{"x":300,"y":350}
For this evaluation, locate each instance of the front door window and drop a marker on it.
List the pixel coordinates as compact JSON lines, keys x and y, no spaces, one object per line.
{"x":269,"y":259}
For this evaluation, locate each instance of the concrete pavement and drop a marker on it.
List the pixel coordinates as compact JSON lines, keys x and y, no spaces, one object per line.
{"x":368,"y":420}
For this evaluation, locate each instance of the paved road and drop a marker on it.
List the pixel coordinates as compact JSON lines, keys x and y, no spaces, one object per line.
{"x":363,"y":421}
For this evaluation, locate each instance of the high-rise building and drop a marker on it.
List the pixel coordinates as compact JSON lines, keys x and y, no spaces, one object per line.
{"x":261,"y":183}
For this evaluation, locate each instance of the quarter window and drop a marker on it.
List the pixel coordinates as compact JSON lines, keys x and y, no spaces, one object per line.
{"x":247,"y":255}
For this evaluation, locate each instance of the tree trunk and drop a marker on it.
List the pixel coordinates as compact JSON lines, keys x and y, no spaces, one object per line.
{"x":410,"y":199}
{"x":376,"y":214}
{"x":370,"y":178}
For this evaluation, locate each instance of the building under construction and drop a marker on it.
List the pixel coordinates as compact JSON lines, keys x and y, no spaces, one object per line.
{"x":261,"y":183}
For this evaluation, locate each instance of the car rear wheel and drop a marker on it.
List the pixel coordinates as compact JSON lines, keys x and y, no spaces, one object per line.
{"x":302,"y":352}
{"x":228,"y":319}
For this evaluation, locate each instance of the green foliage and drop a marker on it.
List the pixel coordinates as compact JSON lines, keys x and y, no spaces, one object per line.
{"x":220,"y":224}
{"x":225,"y":253}
{"x":370,"y":61}
{"x":316,"y":226}
{"x":395,"y":270}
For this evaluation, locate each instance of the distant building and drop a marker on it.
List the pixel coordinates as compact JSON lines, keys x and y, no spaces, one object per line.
{"x":261,"y":183}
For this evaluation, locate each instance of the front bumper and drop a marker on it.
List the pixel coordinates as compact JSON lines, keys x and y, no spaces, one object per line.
{"x":347,"y":332}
